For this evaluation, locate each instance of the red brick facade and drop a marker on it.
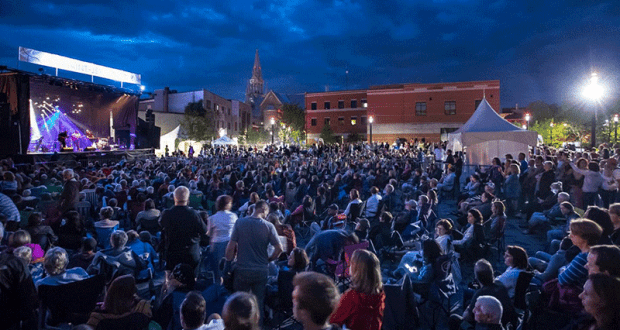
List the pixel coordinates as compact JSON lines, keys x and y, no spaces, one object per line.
{"x":406,"y":110}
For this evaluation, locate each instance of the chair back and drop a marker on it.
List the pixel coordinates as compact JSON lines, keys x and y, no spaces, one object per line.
{"x":83,"y":208}
{"x":355,"y":211}
{"x":151,"y":225}
{"x":195,"y":201}
{"x":73,"y":302}
{"x":134,"y":321}
{"x":342,"y":269}
{"x":401,"y":312}
{"x":444,"y":281}
{"x":523,"y":283}
{"x":285,"y":289}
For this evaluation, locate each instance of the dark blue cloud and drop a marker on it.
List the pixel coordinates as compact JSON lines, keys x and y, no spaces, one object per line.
{"x":539,"y":50}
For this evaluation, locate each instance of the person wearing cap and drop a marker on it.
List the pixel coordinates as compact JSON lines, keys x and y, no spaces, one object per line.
{"x":182,"y":230}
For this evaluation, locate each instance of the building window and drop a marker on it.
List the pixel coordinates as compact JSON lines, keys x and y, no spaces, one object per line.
{"x":353,"y":104}
{"x":341,"y":104}
{"x":229,"y":111}
{"x":228,"y":125}
{"x":327,"y":105}
{"x":477,"y":104}
{"x":420,"y":108}
{"x":340,"y":120}
{"x":326,"y":121}
{"x":363,"y":121}
{"x":313,"y":122}
{"x":313,"y":106}
{"x":364,"y":103}
{"x":353,"y":121}
{"x":450,"y":107}
{"x":235,"y":126}
{"x":209,"y":104}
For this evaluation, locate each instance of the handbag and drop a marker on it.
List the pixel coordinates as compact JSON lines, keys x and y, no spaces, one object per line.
{"x":563,"y":298}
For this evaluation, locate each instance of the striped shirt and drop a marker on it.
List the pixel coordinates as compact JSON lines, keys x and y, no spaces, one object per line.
{"x":576,"y":272}
{"x":8,"y":208}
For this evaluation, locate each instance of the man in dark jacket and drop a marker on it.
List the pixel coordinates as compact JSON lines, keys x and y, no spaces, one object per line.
{"x":183,"y":229}
{"x":70,"y":195}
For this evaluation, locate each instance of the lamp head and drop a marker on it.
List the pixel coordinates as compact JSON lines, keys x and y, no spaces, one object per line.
{"x":593,"y":91}
{"x":273,"y":121}
{"x":527,"y":117}
{"x":371,"y":119}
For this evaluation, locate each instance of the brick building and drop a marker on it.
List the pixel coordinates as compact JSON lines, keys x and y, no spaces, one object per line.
{"x":400,"y":111}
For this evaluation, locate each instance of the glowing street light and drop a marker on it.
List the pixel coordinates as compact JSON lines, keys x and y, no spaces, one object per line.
{"x":616,"y":128}
{"x":273,"y":127}
{"x":551,"y":131}
{"x":527,"y":120}
{"x":593,"y":92}
{"x":370,"y":120}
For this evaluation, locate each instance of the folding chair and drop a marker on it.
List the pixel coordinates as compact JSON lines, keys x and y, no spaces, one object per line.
{"x":69,"y":303}
{"x":442,"y":289}
{"x":341,"y":267}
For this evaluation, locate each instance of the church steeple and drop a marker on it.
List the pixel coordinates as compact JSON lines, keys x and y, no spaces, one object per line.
{"x":257,"y":73}
{"x":256,"y":83}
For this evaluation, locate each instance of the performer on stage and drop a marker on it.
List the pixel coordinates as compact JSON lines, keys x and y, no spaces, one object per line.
{"x":62,"y":138}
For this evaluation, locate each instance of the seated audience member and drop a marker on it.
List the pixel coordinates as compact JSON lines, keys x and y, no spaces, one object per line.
{"x":241,"y":312}
{"x":614,"y":214}
{"x":515,"y":258}
{"x":473,"y":236}
{"x":443,"y":231}
{"x":147,"y":219}
{"x":119,"y":255}
{"x":84,"y":257}
{"x":488,"y":313}
{"x":362,"y":228}
{"x":167,"y":307}
{"x":354,"y":197}
{"x":329,"y":221}
{"x":600,"y":299}
{"x":55,"y":264}
{"x":583,"y":234}
{"x":121,"y":300}
{"x":382,"y":234}
{"x":497,"y":221}
{"x":140,"y":245}
{"x":105,"y":227}
{"x":361,"y":306}
{"x":568,"y":211}
{"x":372,"y":204}
{"x":539,"y":219}
{"x":71,"y":231}
{"x":407,"y":216}
{"x":604,"y":259}
{"x":548,"y":265}
{"x":602,"y":218}
{"x":420,"y":267}
{"x":22,"y":238}
{"x":19,"y":296}
{"x":193,"y":313}
{"x":284,"y":230}
{"x":315,"y":298}
{"x":40,"y":233}
{"x":483,"y":272}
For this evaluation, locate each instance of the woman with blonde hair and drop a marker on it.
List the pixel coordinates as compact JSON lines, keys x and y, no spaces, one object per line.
{"x":361,"y":307}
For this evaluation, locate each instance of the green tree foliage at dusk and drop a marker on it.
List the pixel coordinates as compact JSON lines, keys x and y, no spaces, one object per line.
{"x":197,"y":123}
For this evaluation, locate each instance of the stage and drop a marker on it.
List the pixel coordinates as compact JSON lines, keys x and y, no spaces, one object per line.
{"x":72,"y":159}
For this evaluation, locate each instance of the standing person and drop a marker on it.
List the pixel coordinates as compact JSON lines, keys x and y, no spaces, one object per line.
{"x":220,"y":228}
{"x":182,"y":229}
{"x":362,"y":306}
{"x":251,"y":251}
{"x":70,"y":195}
{"x":593,"y":180}
{"x":315,"y":298}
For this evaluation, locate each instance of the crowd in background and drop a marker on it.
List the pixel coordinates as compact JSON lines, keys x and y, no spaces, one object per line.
{"x":323,"y":233}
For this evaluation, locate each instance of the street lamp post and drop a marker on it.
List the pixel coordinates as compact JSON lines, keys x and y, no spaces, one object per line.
{"x":370,"y":120}
{"x":551,"y":131}
{"x":616,"y":128}
{"x":594,"y":92}
{"x":527,"y":120}
{"x":273,"y":128}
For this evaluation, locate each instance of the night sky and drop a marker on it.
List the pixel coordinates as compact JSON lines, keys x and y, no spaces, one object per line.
{"x":539,"y":50}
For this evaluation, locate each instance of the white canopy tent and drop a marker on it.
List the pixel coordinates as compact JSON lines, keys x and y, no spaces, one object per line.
{"x":224,"y":141}
{"x":487,"y":135}
{"x":168,"y":139}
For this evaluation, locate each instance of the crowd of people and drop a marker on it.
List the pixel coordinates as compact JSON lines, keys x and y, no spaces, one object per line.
{"x":244,"y":237}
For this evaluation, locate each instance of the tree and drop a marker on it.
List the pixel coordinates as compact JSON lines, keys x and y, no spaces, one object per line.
{"x":354,"y":137}
{"x":259,"y":136}
{"x":294,"y":117}
{"x":327,"y":134}
{"x":197,"y":123}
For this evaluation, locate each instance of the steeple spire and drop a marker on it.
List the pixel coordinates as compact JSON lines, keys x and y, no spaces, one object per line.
{"x":256,"y":70}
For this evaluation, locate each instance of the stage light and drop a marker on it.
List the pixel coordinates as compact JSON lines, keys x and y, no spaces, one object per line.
{"x":142,"y":87}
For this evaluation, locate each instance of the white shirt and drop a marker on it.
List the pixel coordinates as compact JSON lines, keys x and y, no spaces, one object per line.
{"x":438,"y":154}
{"x":372,"y":204}
{"x":221,"y":225}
